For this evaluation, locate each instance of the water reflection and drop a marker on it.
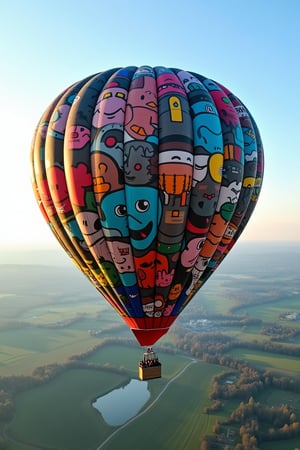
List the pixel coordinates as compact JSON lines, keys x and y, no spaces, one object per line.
{"x":120,"y":405}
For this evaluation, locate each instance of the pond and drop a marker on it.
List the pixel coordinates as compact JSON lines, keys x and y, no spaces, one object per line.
{"x":120,"y":405}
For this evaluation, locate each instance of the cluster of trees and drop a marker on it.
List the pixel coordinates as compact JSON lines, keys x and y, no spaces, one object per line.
{"x":257,"y":423}
{"x":247,"y":382}
{"x":260,"y":423}
{"x":279,"y":332}
{"x":217,"y":405}
{"x":214,"y":343}
{"x":196,"y":344}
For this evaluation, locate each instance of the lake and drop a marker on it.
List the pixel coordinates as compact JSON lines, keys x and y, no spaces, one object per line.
{"x":120,"y":405}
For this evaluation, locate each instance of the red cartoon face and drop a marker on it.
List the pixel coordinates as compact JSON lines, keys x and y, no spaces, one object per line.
{"x":153,"y":269}
{"x":226,"y":110}
{"x":80,"y":180}
{"x":145,"y":269}
{"x":58,"y":189}
{"x":167,"y":82}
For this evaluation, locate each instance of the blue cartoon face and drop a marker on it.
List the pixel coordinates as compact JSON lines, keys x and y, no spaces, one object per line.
{"x":144,"y":212}
{"x":207,"y":129}
{"x":114,"y":214}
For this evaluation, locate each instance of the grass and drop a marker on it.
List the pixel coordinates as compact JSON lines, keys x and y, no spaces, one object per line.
{"x":57,"y":313}
{"x":215,"y":299}
{"x":25,"y":347}
{"x":60,"y":415}
{"x":23,"y":350}
{"x":279,"y":397}
{"x":178,"y":415}
{"x":129,"y":358}
{"x":287,"y":365}
{"x":270,"y":312}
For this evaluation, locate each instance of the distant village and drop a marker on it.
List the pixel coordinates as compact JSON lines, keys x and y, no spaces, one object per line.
{"x":290,"y":316}
{"x":200,"y":325}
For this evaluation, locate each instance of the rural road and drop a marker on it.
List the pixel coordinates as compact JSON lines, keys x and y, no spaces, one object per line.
{"x":146,"y":409}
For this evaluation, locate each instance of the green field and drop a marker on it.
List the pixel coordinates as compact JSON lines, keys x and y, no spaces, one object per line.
{"x":271,"y":312}
{"x":284,"y":364}
{"x":26,"y":346}
{"x":215,"y":300}
{"x":23,"y":350}
{"x":60,"y":415}
{"x":177,"y":417}
{"x":46,"y":320}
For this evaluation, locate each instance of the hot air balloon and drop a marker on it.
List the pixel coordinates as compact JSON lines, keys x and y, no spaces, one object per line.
{"x":147,"y":178}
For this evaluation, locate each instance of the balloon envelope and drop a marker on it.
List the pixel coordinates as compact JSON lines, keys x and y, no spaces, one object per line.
{"x":147,"y":177}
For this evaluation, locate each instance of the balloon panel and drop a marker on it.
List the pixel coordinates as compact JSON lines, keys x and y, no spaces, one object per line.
{"x":147,"y":177}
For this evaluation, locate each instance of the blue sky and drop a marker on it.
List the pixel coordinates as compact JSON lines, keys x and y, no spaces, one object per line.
{"x":250,"y":47}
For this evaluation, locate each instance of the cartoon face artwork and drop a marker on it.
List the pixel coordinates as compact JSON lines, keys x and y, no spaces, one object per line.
{"x":123,"y":259}
{"x":143,"y":213}
{"x":140,"y":163}
{"x":207,"y":177}
{"x":191,"y":252}
{"x":145,"y":269}
{"x":190,"y":82}
{"x":90,"y":226}
{"x":205,"y":164}
{"x":106,"y":175}
{"x":58,"y":189}
{"x":109,"y":140}
{"x":197,"y":271}
{"x":177,"y":162}
{"x":58,"y":121}
{"x":78,"y":136}
{"x":167,"y":82}
{"x":141,"y":112}
{"x":110,"y":107}
{"x":114,"y":214}
{"x":153,"y":307}
{"x":147,"y":176}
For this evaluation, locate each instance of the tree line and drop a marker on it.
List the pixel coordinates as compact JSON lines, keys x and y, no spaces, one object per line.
{"x":256,"y":423}
{"x":12,"y":385}
{"x":197,"y":344}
